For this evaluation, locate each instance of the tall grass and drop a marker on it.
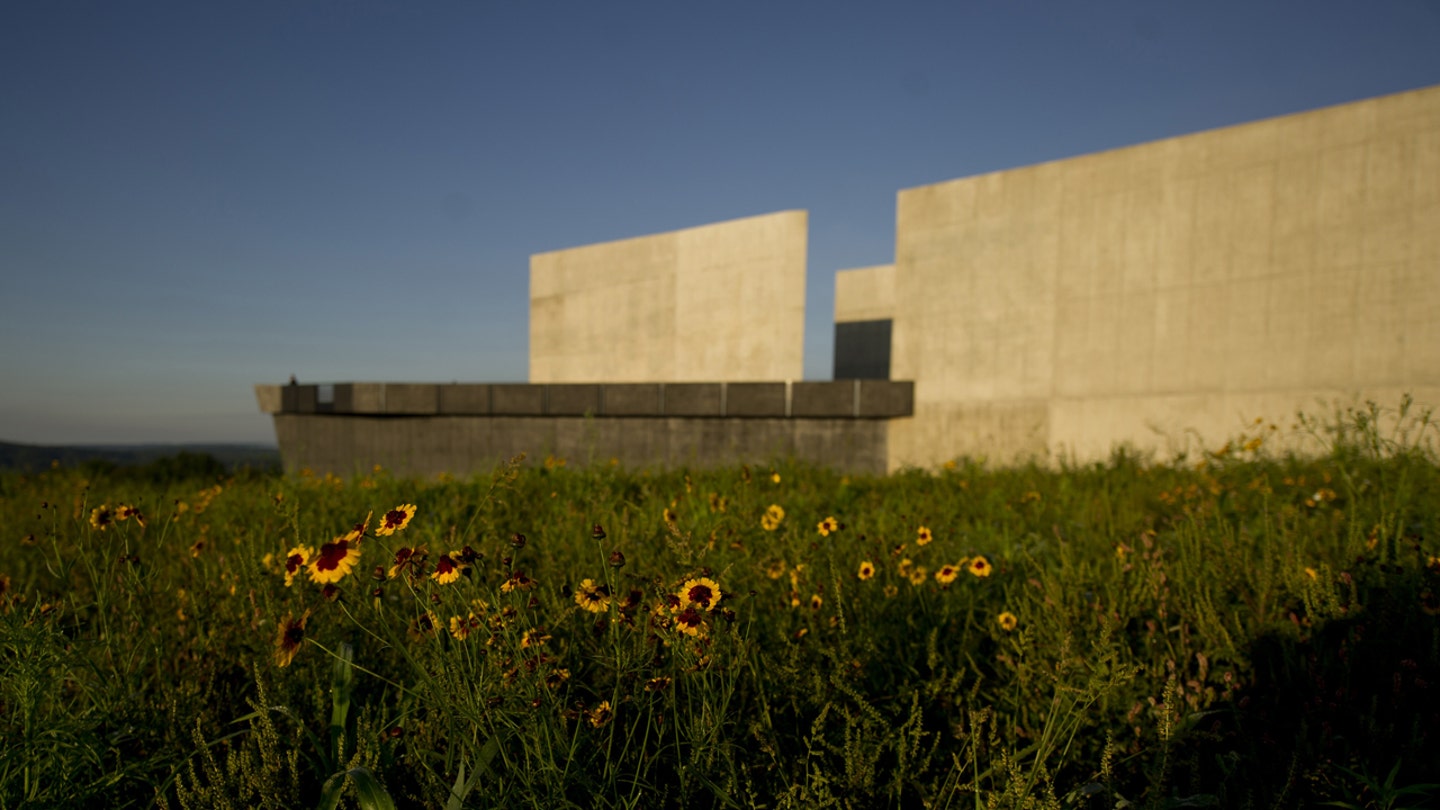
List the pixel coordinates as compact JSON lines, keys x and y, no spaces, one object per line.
{"x":1243,"y":630}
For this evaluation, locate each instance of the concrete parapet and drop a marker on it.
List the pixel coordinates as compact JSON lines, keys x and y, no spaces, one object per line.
{"x":517,"y":399}
{"x":879,"y":399}
{"x":693,"y":399}
{"x":833,"y":399}
{"x":574,"y":399}
{"x":360,"y":397}
{"x":465,"y":398}
{"x":633,"y":399}
{"x":461,"y":445}
{"x":401,"y":398}
{"x":756,"y":399}
{"x":297,"y":399}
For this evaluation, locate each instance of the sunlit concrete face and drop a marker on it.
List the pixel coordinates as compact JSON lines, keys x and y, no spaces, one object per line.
{"x":1167,"y":294}
{"x":721,"y":302}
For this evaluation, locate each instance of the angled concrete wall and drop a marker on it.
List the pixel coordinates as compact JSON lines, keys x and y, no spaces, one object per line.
{"x":718,"y":302}
{"x":1189,"y":284}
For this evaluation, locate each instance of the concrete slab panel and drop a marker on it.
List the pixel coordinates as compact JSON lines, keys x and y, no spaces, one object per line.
{"x":886,"y":398}
{"x":693,"y":399}
{"x":575,"y":399}
{"x":717,"y":302}
{"x":824,"y":399}
{"x":517,"y":399}
{"x":755,"y":399}
{"x":1276,"y":252}
{"x":634,"y":399}
{"x":298,"y":399}
{"x":465,"y":398}
{"x":418,"y":398}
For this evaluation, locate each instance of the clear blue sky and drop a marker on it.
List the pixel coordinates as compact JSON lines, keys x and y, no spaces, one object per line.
{"x":199,"y":196}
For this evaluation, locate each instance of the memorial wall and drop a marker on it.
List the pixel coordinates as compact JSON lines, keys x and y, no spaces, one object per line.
{"x":717,"y":303}
{"x":1166,"y":294}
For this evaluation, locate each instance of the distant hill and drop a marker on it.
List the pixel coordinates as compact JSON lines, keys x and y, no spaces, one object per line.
{"x":15,"y":456}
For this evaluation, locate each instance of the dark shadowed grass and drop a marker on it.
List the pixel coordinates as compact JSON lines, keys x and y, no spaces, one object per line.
{"x":1244,"y":629}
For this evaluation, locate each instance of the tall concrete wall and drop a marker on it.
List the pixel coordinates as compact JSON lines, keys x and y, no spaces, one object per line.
{"x":1167,"y":293}
{"x":718,"y":302}
{"x":865,"y":294}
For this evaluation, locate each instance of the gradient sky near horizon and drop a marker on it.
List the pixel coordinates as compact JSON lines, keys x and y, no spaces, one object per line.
{"x":195,"y":197}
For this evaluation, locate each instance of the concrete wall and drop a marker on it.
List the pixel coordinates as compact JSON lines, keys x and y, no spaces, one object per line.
{"x":718,"y":302}
{"x":346,"y":445}
{"x":865,"y":294}
{"x":1190,"y":284}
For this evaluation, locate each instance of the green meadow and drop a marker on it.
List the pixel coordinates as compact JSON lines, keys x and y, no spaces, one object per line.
{"x":1239,"y":628}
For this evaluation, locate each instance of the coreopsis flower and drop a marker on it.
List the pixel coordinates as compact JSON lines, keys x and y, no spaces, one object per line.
{"x":334,"y":561}
{"x":690,"y":622}
{"x":534,"y":637}
{"x":867,"y":570}
{"x":102,"y":517}
{"x":918,"y":575}
{"x":600,"y":715}
{"x":828,"y":525}
{"x":518,"y":581}
{"x":295,"y":561}
{"x":461,"y":629}
{"x":409,"y":561}
{"x":395,"y":520}
{"x":659,"y":684}
{"x":125,"y":511}
{"x":592,"y":597}
{"x":289,"y":637}
{"x":947,"y":574}
{"x":923,"y":536}
{"x":703,"y":592}
{"x":556,"y":678}
{"x":1007,"y":621}
{"x":770,"y":521}
{"x":980,"y":567}
{"x":816,"y":602}
{"x":447,"y":568}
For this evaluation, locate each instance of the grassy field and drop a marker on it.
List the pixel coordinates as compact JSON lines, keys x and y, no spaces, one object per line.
{"x":1239,"y":630}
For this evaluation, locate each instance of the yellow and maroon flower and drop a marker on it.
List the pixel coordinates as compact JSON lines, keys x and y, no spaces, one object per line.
{"x":288,"y":638}
{"x":828,"y":525}
{"x":703,"y":592}
{"x":448,"y":568}
{"x":518,"y":581}
{"x":334,"y":561}
{"x":947,"y":574}
{"x":102,"y":516}
{"x":980,"y":567}
{"x":600,"y":715}
{"x":867,"y":570}
{"x":923,"y":536}
{"x":358,"y":530}
{"x":295,"y":561}
{"x":534,"y":637}
{"x":409,"y":561}
{"x":690,"y":622}
{"x":125,"y":511}
{"x":462,"y":628}
{"x":1007,"y":621}
{"x":592,"y":597}
{"x":395,"y":520}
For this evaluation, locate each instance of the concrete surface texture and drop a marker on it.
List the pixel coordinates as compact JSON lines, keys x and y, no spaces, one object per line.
{"x":1166,"y":294}
{"x":865,"y":294}
{"x":718,"y":302}
{"x":429,"y":445}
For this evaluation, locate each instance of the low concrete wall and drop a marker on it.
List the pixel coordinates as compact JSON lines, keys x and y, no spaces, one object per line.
{"x":429,"y":445}
{"x":462,"y":428}
{"x":856,"y":399}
